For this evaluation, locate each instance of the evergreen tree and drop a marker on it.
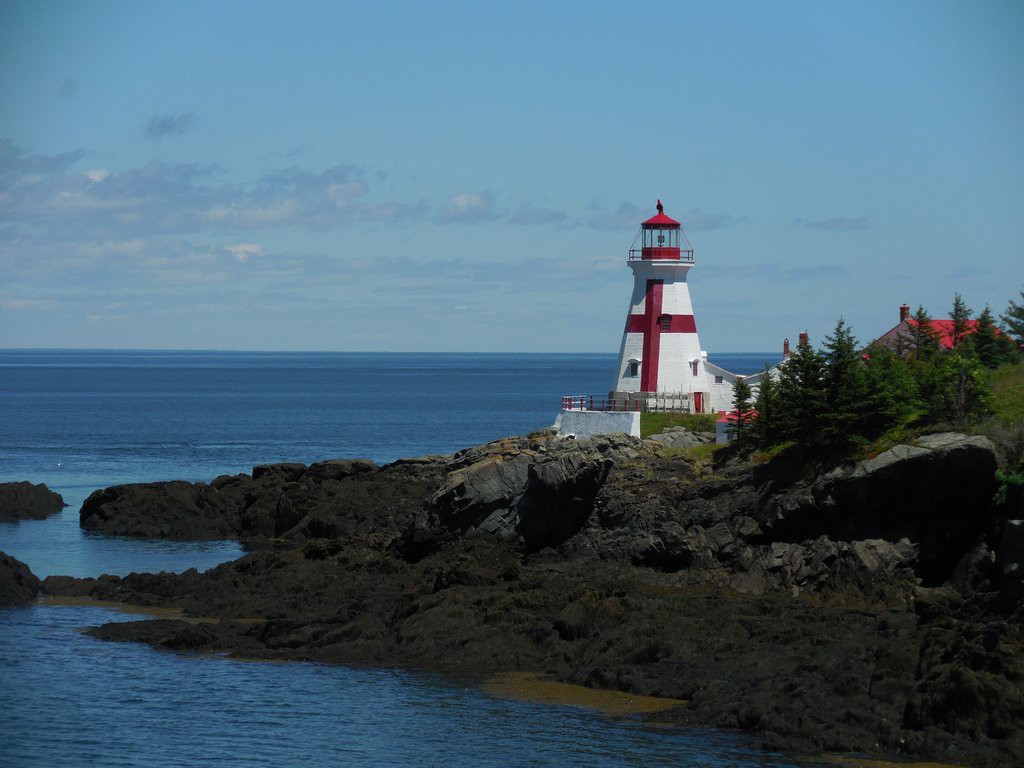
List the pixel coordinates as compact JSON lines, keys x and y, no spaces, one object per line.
{"x":992,"y":348}
{"x":764,"y":429}
{"x":892,"y":395}
{"x":801,"y":396}
{"x":966,"y":394}
{"x":741,"y":394}
{"x":961,"y":317}
{"x":1013,"y":320}
{"x":924,"y":338}
{"x":844,"y":387}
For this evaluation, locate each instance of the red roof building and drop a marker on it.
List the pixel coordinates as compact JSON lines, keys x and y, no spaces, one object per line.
{"x":905,"y":330}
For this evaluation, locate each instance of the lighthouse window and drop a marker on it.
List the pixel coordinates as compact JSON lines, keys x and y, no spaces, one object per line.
{"x":632,"y":368}
{"x":665,"y":321}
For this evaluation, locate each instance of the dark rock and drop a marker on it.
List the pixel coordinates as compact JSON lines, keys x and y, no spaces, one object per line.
{"x":285,"y":470}
{"x":171,"y":510}
{"x":27,"y":501}
{"x":540,"y":497}
{"x":681,"y":437}
{"x":18,"y":585}
{"x":1011,"y":550}
{"x":919,"y":492}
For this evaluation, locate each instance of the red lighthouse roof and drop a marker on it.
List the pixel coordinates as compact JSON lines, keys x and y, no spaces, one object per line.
{"x":661,"y":220}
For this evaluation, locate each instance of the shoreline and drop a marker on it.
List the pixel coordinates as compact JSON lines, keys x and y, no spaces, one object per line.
{"x":611,"y":565}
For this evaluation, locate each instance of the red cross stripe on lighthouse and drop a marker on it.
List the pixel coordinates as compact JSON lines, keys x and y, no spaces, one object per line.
{"x":652,"y":323}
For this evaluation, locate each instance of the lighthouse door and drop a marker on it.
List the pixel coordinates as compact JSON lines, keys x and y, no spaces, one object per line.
{"x":698,"y":402}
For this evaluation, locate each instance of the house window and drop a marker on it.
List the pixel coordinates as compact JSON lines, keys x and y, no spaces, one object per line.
{"x":718,"y":379}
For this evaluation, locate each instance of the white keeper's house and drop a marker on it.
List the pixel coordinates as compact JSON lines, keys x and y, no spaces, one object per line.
{"x":661,"y":364}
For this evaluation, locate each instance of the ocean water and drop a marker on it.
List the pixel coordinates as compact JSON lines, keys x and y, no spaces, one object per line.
{"x":79,"y":421}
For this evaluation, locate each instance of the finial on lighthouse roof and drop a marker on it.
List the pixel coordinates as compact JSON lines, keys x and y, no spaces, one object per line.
{"x":660,"y":220}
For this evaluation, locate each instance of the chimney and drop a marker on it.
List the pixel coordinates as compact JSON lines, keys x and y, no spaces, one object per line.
{"x":904,"y":312}
{"x":804,"y":338}
{"x":785,"y":349}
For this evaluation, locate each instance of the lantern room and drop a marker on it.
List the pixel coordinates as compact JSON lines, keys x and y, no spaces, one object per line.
{"x":661,"y":238}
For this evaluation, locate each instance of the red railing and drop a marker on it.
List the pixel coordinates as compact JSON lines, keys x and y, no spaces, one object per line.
{"x":685,"y":255}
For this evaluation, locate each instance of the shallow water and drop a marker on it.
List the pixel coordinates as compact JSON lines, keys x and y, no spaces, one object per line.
{"x":69,"y":699}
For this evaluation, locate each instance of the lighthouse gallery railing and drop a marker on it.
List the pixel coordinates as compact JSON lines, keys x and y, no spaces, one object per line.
{"x":648,"y":402}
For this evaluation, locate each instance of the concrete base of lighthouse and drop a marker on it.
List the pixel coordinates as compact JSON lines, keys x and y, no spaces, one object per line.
{"x":582,"y":424}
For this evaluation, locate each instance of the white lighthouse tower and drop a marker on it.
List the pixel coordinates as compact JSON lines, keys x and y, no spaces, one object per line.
{"x":661,"y":364}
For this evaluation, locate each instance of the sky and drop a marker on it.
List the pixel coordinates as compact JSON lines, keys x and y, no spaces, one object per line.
{"x":469,"y":176}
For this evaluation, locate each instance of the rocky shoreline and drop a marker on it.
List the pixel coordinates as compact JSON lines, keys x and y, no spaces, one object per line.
{"x":877,"y":608}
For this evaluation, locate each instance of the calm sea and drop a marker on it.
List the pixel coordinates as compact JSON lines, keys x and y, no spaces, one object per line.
{"x":79,"y":421}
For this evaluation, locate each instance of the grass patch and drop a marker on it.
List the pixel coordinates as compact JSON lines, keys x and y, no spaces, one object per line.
{"x":765,"y":456}
{"x":1007,"y":394}
{"x":700,"y":456}
{"x":895,"y":436}
{"x":653,"y":423}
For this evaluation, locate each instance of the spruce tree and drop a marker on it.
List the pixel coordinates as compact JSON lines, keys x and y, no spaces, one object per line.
{"x":892,"y":396}
{"x":961,"y":317}
{"x":966,"y":393}
{"x":764,"y":429}
{"x":801,"y":396}
{"x":992,"y":348}
{"x":1013,"y":320}
{"x":924,"y":338}
{"x":741,"y":395}
{"x":844,"y":390}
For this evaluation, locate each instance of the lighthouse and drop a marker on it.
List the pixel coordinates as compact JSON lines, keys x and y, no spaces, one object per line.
{"x":661,"y":365}
{"x":660,"y":358}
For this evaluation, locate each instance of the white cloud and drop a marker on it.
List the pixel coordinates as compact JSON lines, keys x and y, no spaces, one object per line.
{"x":243,"y":251}
{"x":528,"y":215}
{"x":29,"y":304}
{"x":467,"y":208}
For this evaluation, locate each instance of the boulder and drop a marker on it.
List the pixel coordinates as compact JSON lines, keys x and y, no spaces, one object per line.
{"x":518,"y":489}
{"x":18,"y":585}
{"x":936,"y":494}
{"x":28,"y":501}
{"x":1011,"y":550}
{"x":171,"y":510}
{"x":681,"y":437}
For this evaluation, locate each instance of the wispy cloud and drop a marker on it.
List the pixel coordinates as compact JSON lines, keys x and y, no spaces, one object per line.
{"x":467,"y":208}
{"x":629,"y":216}
{"x":836,"y":224}
{"x":771,"y":272}
{"x":625,"y":217}
{"x":39,"y":198}
{"x":14,"y":161}
{"x":244,"y":251}
{"x":28,"y":304}
{"x":527,"y":215}
{"x":171,"y":124}
{"x":699,"y":221}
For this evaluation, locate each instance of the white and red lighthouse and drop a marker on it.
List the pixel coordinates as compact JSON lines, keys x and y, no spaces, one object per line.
{"x":661,"y":364}
{"x":660,"y":352}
